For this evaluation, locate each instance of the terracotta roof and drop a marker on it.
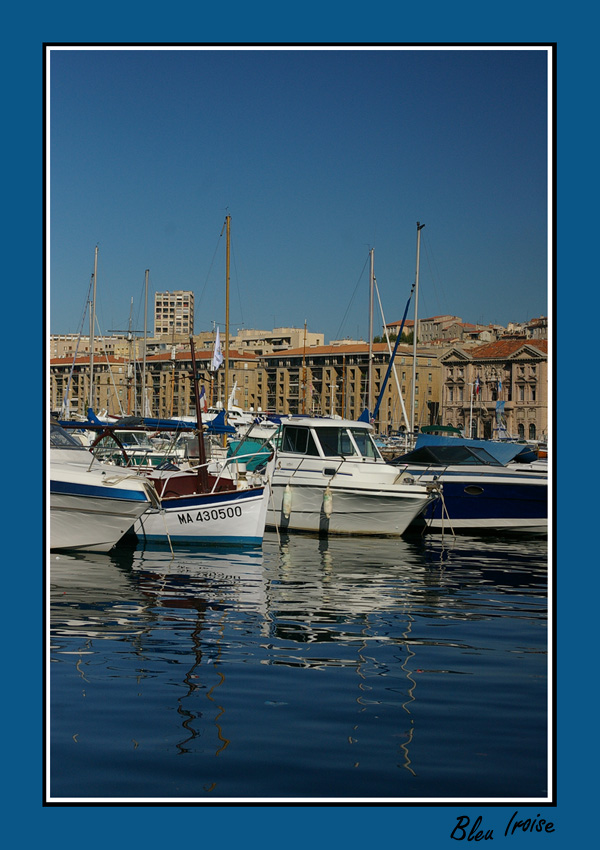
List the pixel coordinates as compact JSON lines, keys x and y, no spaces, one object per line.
{"x":84,"y":359}
{"x":350,"y":348}
{"x":407,"y":323}
{"x":203,"y":354}
{"x":508,"y":347}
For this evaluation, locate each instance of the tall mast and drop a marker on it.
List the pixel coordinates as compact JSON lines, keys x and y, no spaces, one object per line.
{"x":415,"y":330}
{"x":226,"y":397}
{"x":92,"y":329}
{"x":370,"y":368}
{"x":304,"y":372}
{"x":144,"y":411}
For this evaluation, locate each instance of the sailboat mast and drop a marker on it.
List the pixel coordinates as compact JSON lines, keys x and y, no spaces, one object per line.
{"x":92,"y":329}
{"x":415,"y":330}
{"x":226,"y":395}
{"x":145,"y":412}
{"x":370,"y":367}
{"x":304,"y":372}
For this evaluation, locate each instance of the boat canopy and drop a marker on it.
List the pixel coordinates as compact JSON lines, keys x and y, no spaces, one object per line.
{"x":447,"y":456}
{"x":503,"y":452}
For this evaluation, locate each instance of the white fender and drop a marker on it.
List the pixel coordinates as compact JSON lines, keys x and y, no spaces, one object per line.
{"x":327,"y":501}
{"x":287,"y":501}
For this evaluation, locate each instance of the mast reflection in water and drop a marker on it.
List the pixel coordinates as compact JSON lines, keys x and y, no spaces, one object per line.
{"x":310,"y":669}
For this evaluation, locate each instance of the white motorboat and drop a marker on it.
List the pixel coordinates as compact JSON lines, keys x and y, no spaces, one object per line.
{"x":328,"y":477}
{"x":92,"y":504}
{"x":207,"y":509}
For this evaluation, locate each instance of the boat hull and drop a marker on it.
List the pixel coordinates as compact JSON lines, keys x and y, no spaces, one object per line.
{"x":86,"y":517}
{"x":487,"y":503}
{"x":231,"y":517}
{"x":353,"y":510}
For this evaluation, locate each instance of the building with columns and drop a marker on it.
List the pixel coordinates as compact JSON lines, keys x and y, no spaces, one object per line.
{"x":507,"y":378}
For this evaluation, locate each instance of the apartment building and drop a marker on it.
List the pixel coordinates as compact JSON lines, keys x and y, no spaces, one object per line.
{"x":334,"y":380}
{"x":174,"y":314}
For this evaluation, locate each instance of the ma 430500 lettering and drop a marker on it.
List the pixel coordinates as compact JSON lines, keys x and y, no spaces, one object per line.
{"x":208,"y":515}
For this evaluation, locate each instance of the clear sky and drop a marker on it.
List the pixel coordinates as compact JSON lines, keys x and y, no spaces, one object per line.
{"x":318,"y":156}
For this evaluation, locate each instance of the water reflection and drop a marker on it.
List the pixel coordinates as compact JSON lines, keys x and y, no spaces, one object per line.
{"x":217,"y":638}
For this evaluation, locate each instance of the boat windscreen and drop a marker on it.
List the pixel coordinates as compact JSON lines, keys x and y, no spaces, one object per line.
{"x":335,"y":442}
{"x":61,"y":439}
{"x":364,"y":441}
{"x":298,"y":440}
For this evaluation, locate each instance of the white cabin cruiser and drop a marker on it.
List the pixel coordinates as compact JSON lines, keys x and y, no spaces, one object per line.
{"x":92,"y":504}
{"x":327,"y":477}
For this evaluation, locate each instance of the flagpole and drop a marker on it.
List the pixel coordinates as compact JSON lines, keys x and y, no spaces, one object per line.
{"x":471,"y":413}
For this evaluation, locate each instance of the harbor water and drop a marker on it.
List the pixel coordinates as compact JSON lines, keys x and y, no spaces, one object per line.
{"x":369,"y":670}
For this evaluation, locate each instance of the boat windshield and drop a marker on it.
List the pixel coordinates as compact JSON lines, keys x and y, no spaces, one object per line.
{"x":365,"y":443}
{"x":335,"y":442}
{"x":134,"y":438}
{"x":61,"y":439}
{"x":298,"y":440}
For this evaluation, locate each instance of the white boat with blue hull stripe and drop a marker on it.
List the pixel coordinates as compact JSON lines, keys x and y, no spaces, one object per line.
{"x":196,"y":506}
{"x":92,"y":505}
{"x":233,"y":517}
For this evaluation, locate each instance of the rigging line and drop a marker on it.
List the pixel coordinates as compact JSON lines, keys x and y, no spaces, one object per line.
{"x":112,"y":380}
{"x":435,"y":278}
{"x":237,"y":280}
{"x":65,"y":400}
{"x":212,"y":262}
{"x":338,"y":335}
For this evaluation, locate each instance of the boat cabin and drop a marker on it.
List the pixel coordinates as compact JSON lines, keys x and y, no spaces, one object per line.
{"x":326,"y":438}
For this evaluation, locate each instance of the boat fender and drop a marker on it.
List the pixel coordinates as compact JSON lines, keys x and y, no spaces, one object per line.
{"x":327,"y":501}
{"x":287,"y":501}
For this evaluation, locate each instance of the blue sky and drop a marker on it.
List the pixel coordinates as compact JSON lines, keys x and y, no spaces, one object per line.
{"x":318,"y":156}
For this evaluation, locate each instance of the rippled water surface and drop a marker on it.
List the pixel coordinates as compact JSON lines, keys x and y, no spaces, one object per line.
{"x":305,"y":670}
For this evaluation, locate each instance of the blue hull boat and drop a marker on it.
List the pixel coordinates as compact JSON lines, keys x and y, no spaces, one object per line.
{"x":480,"y":494}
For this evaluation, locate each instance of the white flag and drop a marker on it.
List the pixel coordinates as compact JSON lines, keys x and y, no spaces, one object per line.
{"x":217,"y":357}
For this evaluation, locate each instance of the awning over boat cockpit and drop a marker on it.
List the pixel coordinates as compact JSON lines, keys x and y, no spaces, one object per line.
{"x":448,"y":456}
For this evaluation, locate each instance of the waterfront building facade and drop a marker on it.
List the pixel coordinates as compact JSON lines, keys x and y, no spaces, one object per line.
{"x":470,"y":386}
{"x":507,"y":378}
{"x":334,"y":380}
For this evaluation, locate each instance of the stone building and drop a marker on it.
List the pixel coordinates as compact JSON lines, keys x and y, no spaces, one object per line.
{"x":333,"y":380}
{"x":508,"y":379}
{"x":118,"y":384}
{"x":511,"y":375}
